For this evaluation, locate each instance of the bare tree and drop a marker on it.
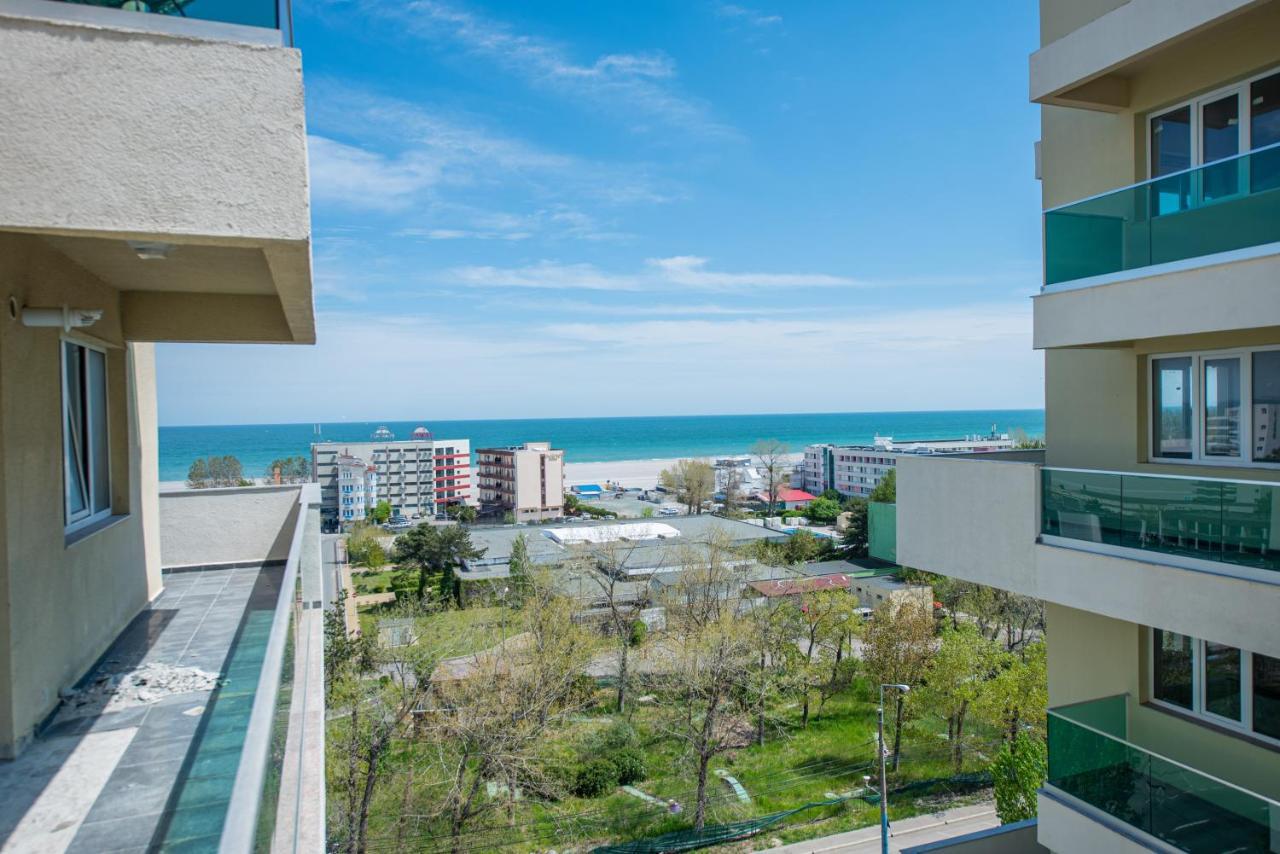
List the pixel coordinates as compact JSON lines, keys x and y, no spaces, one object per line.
{"x":621,"y":604}
{"x":710,"y":654}
{"x":732,"y":489}
{"x":693,"y":482}
{"x":774,"y":625}
{"x":771,"y":455}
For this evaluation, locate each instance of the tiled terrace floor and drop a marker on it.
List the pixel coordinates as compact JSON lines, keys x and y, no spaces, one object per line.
{"x":153,"y":777}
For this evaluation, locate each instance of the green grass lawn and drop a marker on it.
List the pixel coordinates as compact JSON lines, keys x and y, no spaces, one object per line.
{"x":449,"y":633}
{"x":368,"y":582}
{"x":794,"y":767}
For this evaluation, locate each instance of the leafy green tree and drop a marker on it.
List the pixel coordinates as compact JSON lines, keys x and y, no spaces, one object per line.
{"x":363,"y":548}
{"x":519,"y":568}
{"x":1017,"y":696}
{"x":647,"y":513}
{"x":855,"y":536}
{"x":1019,"y":770}
{"x":956,"y":678}
{"x":693,"y":482}
{"x":289,"y":470}
{"x":886,"y":491}
{"x":198,"y":474}
{"x":804,"y":546}
{"x":380,"y":512}
{"x":215,"y":472}
{"x":897,"y":644}
{"x":434,"y":551}
{"x":463,"y":513}
{"x":571,"y":504}
{"x":822,"y":511}
{"x":508,"y":518}
{"x":832,"y":494}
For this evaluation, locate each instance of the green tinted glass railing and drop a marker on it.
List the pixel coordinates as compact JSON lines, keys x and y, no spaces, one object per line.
{"x":1187,"y":809}
{"x":882,"y":533}
{"x":1227,"y":521}
{"x":272,"y":14}
{"x":1227,"y":205}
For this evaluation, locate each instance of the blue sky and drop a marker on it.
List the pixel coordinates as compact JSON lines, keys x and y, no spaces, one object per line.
{"x":621,"y":208}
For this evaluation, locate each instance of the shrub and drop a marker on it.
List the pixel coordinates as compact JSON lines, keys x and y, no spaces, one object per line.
{"x":629,"y":764}
{"x":595,"y":778}
{"x":1019,"y":771}
{"x":639,"y":630}
{"x":616,"y":736}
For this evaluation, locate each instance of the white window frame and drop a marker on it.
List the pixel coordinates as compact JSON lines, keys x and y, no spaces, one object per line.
{"x":1244,"y":124}
{"x":88,"y":516}
{"x":1198,"y":456}
{"x":1244,"y":726}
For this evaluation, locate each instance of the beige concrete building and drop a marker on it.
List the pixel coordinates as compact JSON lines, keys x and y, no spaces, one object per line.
{"x":526,"y":481}
{"x":1151,"y":525}
{"x":153,"y":188}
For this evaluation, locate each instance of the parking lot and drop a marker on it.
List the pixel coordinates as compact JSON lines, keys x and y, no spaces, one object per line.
{"x":631,"y":506}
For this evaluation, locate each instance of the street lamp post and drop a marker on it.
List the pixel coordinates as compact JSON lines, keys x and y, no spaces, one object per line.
{"x":884,"y":784}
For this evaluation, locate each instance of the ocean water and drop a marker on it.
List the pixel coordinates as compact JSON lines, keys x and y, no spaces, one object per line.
{"x":595,"y":439}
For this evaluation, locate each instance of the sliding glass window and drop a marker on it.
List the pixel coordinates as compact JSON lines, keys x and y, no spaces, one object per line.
{"x":1222,"y":680}
{"x":1172,"y":407}
{"x":1173,"y":657}
{"x":1266,"y":695}
{"x":1221,"y":407}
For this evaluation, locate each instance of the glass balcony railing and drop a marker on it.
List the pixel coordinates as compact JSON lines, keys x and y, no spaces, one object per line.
{"x":270,"y":14}
{"x":1091,"y":760}
{"x":1226,"y":205}
{"x":1228,"y":521}
{"x":882,"y":531}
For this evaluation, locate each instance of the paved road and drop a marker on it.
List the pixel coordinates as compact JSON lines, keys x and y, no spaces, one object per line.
{"x":332,"y":568}
{"x":902,"y":834}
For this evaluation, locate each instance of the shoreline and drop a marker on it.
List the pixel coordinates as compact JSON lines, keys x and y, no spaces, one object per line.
{"x":629,"y":473}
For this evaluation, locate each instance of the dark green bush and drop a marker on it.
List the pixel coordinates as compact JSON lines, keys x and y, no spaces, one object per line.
{"x":638,"y":632}
{"x":616,"y":736}
{"x":595,"y":778}
{"x":629,"y":764}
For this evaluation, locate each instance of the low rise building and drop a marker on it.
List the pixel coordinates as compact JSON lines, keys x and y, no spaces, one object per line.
{"x":855,"y":470}
{"x":357,"y":488}
{"x":526,"y":481}
{"x":419,"y":477}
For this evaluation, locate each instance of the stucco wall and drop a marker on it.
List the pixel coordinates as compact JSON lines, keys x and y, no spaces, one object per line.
{"x":211,"y":526}
{"x":1059,"y":17}
{"x":62,"y":604}
{"x":212,"y":141}
{"x":1092,"y":656}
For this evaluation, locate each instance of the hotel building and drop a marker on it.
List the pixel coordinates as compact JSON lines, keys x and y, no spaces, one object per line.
{"x":153,"y":188}
{"x":1151,"y":524}
{"x":419,"y":477}
{"x":526,"y":481}
{"x":855,"y":470}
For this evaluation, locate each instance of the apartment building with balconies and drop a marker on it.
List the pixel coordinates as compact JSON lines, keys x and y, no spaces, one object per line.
{"x":856,"y":470}
{"x":526,"y":481}
{"x":1150,"y":525}
{"x":153,"y":188}
{"x":419,"y":477}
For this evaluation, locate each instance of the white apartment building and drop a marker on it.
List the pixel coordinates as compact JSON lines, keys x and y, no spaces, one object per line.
{"x":855,"y":470}
{"x":524,"y":480}
{"x":418,"y":477}
{"x":357,"y":488}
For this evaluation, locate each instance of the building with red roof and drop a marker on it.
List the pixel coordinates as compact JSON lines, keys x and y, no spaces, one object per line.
{"x":788,"y":498}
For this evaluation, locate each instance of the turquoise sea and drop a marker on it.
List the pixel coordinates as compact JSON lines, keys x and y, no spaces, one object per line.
{"x":596,"y":439}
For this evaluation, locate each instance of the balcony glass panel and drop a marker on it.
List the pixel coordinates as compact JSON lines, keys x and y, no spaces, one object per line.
{"x":250,"y":13}
{"x":1233,"y":203}
{"x":1091,"y":760}
{"x":1219,"y":520}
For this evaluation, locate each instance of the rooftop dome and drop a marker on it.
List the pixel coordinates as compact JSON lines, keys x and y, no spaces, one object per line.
{"x":383,"y":434}
{"x":422,"y":433}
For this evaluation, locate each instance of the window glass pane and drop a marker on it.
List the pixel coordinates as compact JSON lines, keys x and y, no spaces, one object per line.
{"x":99,"y":458}
{"x":1171,"y":407}
{"x":1220,"y":138}
{"x":1264,"y":111}
{"x":1266,"y":406}
{"x":1171,"y":142}
{"x":1171,"y":668}
{"x":1222,"y":680}
{"x":1222,"y":407}
{"x":1266,"y":695}
{"x":74,"y":472}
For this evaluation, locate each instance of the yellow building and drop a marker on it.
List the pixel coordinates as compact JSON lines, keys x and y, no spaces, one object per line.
{"x":153,"y":188}
{"x":1151,"y":524}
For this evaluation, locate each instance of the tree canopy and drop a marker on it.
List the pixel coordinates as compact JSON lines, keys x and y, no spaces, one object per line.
{"x":209,"y":472}
{"x":434,"y":551}
{"x":693,"y":482}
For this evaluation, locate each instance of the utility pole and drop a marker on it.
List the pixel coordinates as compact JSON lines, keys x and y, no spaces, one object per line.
{"x":884,"y":783}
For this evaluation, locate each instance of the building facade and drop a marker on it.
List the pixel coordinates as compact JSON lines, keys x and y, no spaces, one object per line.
{"x":1150,"y":525}
{"x":418,"y":477}
{"x":357,"y":488}
{"x":855,"y":470}
{"x":526,"y":481}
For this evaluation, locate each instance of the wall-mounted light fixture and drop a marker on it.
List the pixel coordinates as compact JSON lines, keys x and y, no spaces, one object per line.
{"x":151,"y":250}
{"x":65,"y":317}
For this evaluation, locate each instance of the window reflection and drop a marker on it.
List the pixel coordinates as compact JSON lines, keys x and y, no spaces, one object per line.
{"x":1171,"y":668}
{"x":1171,"y":405}
{"x":1222,"y":407}
{"x":1266,"y":406}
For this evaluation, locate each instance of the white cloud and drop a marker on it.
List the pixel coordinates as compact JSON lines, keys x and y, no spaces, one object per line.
{"x":750,"y":16}
{"x":352,"y":176}
{"x":678,"y":272}
{"x":625,"y":83}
